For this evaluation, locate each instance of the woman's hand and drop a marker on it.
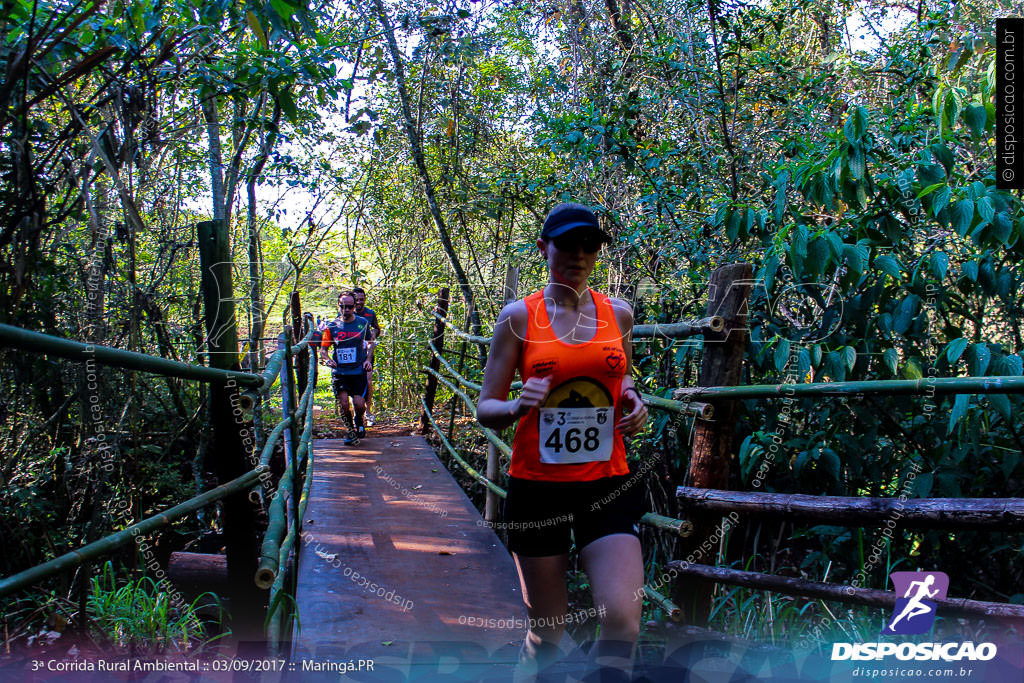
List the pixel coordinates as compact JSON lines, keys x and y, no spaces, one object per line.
{"x":535,"y":390}
{"x":634,"y":412}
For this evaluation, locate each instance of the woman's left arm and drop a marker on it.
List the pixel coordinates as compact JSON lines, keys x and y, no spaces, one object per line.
{"x":634,"y":412}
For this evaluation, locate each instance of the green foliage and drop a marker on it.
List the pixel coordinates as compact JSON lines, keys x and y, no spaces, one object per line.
{"x":141,"y":615}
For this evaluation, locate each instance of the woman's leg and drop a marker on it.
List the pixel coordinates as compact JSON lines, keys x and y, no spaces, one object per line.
{"x":614,"y":564}
{"x":547,"y":600}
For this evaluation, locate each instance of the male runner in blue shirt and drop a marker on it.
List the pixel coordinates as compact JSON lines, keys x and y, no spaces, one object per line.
{"x":348,"y":338}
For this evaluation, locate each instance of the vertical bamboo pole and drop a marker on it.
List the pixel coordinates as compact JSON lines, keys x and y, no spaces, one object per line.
{"x":288,"y":406}
{"x":461,"y":367}
{"x":438,"y":339}
{"x":248,"y":603}
{"x":302,"y":360}
{"x":721,"y":365}
{"x":509,"y":293}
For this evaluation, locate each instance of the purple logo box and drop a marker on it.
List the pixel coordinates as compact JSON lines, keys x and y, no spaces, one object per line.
{"x":915,"y":607}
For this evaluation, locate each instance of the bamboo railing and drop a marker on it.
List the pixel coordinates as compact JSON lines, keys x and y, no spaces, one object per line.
{"x":680,"y":330}
{"x":282,"y":529}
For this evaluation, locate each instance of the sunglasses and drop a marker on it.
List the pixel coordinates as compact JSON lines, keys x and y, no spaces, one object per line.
{"x":348,"y":307}
{"x":572,"y":243}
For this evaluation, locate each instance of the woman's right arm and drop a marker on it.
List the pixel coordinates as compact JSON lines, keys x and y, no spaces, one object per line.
{"x":494,"y":410}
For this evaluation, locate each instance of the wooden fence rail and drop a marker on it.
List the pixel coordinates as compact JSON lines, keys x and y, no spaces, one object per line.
{"x":982,"y":514}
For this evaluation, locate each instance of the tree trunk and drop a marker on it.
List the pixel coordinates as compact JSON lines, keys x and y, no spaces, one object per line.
{"x":257,"y":316}
{"x":212,"y":117}
{"x":712,"y":442}
{"x":421,"y":166}
{"x":247,"y":603}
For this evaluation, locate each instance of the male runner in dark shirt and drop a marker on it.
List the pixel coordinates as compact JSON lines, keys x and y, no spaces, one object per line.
{"x":348,"y":338}
{"x":371,"y":317}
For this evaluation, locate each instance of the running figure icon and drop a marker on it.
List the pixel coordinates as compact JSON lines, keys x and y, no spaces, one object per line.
{"x":915,"y":611}
{"x":915,"y":607}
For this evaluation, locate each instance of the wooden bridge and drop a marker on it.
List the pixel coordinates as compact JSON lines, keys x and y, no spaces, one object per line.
{"x":393,"y":552}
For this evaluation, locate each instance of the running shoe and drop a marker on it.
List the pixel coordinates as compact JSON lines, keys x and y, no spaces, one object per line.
{"x":351,"y":439}
{"x":369,"y":420}
{"x":361,"y":431}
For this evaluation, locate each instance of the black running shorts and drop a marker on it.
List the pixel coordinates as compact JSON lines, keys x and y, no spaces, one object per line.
{"x":539,"y":515}
{"x":353,"y":385}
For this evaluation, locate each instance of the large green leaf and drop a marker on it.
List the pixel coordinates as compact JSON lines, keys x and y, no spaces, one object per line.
{"x":889,"y":265}
{"x":931,"y":188}
{"x":955,"y":349}
{"x":912,"y":370}
{"x":1002,"y":227}
{"x":817,"y":256}
{"x":905,"y":313}
{"x":779,"y":205}
{"x":781,"y":354}
{"x":892,"y":359}
{"x":856,"y":124}
{"x":975,"y":117}
{"x":961,"y":215}
{"x":835,"y":242}
{"x":835,"y":366}
{"x":256,"y":28}
{"x":985,"y":208}
{"x":803,"y":365}
{"x":978,"y":360}
{"x":849,"y":357}
{"x":939,"y":263}
{"x":940,"y":199}
{"x":1001,"y":402}
{"x":284,"y":98}
{"x":930,"y":174}
{"x":923,"y":484}
{"x":856,"y":256}
{"x":732,"y":226}
{"x":855,"y":156}
{"x":943,"y":155}
{"x":959,"y":410}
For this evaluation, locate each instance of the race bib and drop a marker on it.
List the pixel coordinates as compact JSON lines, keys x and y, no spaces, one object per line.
{"x":573,"y":435}
{"x":346,"y":356}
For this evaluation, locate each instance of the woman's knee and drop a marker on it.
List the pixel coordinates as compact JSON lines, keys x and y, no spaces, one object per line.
{"x":620,"y":621}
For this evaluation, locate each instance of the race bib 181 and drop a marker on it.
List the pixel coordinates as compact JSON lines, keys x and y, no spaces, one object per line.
{"x":346,"y":356}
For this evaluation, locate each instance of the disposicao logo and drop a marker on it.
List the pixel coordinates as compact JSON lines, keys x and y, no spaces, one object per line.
{"x":914,"y":613}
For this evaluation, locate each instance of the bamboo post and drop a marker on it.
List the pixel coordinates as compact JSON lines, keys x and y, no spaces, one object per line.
{"x":247,"y":602}
{"x":288,"y":405}
{"x":712,"y":440}
{"x":437,"y":338}
{"x":509,"y":294}
{"x":301,"y":369}
{"x":462,"y":365}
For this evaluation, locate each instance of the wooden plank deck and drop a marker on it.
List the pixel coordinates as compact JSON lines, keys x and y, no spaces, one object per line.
{"x":396,"y":564}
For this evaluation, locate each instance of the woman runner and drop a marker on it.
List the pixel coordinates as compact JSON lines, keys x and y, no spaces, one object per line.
{"x":568,"y":473}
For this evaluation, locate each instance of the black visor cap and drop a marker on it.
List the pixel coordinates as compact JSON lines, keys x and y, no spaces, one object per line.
{"x":573,"y":219}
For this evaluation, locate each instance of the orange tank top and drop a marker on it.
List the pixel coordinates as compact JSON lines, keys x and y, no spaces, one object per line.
{"x":572,"y":436}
